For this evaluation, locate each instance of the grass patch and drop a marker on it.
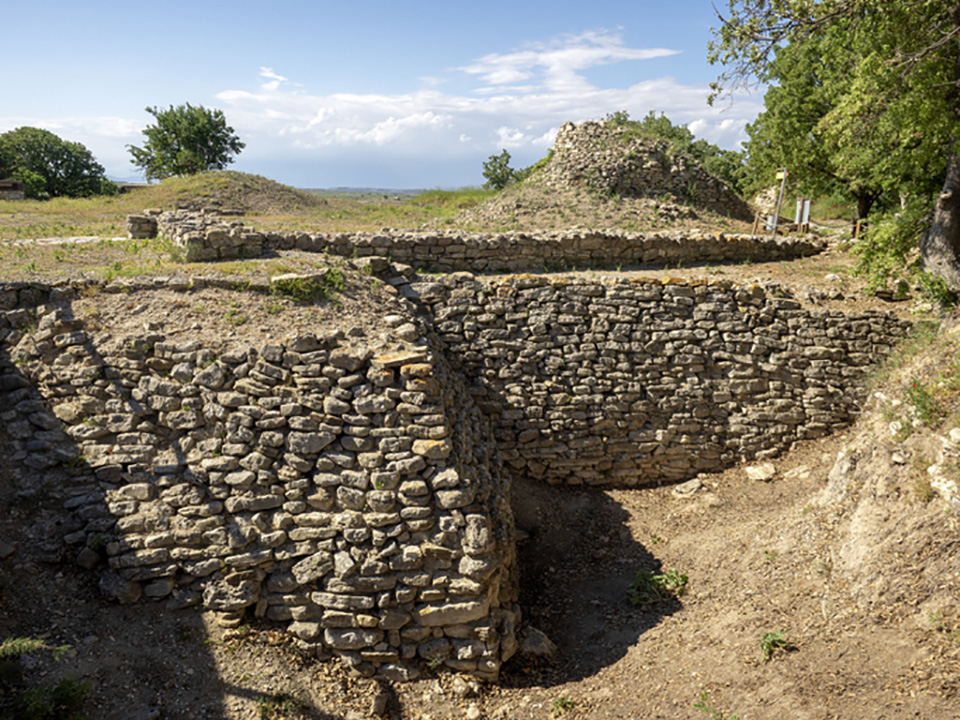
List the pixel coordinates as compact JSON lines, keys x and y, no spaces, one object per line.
{"x":771,"y":642}
{"x":649,"y":588}
{"x":304,"y":289}
{"x":706,"y":707}
{"x":282,"y":706}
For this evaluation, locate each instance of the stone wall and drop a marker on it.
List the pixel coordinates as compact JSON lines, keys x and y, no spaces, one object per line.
{"x":638,"y":382}
{"x":206,"y":236}
{"x":353,"y":488}
{"x":348,"y":490}
{"x":608,"y":159}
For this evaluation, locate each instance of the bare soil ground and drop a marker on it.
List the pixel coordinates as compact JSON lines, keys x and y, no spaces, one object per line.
{"x":855,"y":564}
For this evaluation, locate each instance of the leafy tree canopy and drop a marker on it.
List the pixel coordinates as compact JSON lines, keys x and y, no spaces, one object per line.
{"x":866,"y":96}
{"x":497,"y":171}
{"x":185,"y":140}
{"x":49,"y":166}
{"x":725,"y":164}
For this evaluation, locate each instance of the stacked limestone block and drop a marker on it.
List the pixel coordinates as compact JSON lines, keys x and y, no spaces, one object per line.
{"x":638,"y":382}
{"x":351,"y":492}
{"x":206,"y":236}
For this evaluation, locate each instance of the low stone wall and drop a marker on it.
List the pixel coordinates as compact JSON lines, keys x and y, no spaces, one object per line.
{"x":348,"y":490}
{"x":206,"y":236}
{"x":638,"y":382}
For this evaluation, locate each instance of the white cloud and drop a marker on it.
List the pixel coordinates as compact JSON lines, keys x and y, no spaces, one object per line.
{"x":559,"y":61}
{"x":514,"y":99}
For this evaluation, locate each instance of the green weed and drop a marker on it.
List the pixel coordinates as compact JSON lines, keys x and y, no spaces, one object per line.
{"x":771,"y":641}
{"x":282,"y":706}
{"x":649,"y":588}
{"x":707,"y":708}
{"x":562,"y":705}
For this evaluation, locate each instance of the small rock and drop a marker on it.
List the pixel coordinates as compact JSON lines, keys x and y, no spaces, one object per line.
{"x":688,"y":488}
{"x":535,"y":643}
{"x":463,"y":688}
{"x":6,"y":549}
{"x":378,"y":706}
{"x":801,"y":472}
{"x":764,"y":472}
{"x":229,"y":620}
{"x":114,"y":586}
{"x":473,"y":713}
{"x":955,"y":436}
{"x":898,"y":459}
{"x":86,"y":558}
{"x":407,"y":332}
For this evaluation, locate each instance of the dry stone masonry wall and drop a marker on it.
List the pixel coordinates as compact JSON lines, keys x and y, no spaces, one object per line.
{"x":351,"y":492}
{"x":632,"y":383}
{"x":355,"y":489}
{"x":207,"y":236}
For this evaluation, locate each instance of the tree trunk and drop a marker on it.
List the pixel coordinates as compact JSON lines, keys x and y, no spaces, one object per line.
{"x":940,"y":244}
{"x":865,"y":201}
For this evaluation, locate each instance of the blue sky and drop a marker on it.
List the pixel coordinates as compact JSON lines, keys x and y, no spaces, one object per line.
{"x":401,"y":94}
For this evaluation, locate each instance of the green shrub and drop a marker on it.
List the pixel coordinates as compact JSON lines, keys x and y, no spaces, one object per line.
{"x":649,"y":588}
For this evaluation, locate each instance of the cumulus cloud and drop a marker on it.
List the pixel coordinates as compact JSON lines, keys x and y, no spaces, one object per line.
{"x":432,"y":134}
{"x":558,"y":62}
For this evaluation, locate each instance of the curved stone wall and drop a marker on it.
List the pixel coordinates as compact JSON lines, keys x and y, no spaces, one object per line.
{"x":350,"y":491}
{"x":639,"y":382}
{"x":354,"y":488}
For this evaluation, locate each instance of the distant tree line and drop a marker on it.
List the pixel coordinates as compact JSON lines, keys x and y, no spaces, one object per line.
{"x":184,"y":140}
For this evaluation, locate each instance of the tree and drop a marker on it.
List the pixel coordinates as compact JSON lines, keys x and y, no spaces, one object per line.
{"x":184,"y":141}
{"x":497,"y":171}
{"x":901,"y":111}
{"x":844,"y":122}
{"x":49,"y":166}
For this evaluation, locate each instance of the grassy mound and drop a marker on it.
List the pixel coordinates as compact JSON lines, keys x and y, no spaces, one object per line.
{"x":227,"y":189}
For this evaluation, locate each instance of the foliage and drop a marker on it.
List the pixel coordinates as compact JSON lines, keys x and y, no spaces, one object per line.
{"x":885,"y":109}
{"x":282,"y":706}
{"x":771,"y":641}
{"x":185,"y":140}
{"x":887,"y":255}
{"x":49,"y":166}
{"x":62,"y":701}
{"x":562,"y":705}
{"x":649,"y":588}
{"x":310,"y":288}
{"x":724,"y":164}
{"x":14,"y":647}
{"x":706,"y":707}
{"x":925,"y":407}
{"x":497,"y":171}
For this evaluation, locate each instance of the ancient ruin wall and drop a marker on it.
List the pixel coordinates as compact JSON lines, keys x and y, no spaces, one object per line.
{"x":352,"y":492}
{"x":637,"y":382}
{"x":207,"y":236}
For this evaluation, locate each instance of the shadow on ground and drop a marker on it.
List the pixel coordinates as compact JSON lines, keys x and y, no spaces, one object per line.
{"x":575,"y":572}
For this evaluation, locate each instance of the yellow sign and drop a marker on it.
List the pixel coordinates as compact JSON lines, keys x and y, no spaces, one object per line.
{"x":781,"y":174}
